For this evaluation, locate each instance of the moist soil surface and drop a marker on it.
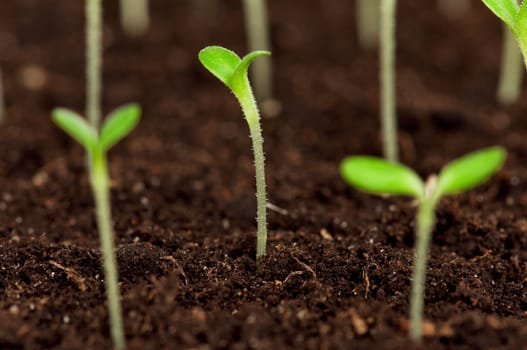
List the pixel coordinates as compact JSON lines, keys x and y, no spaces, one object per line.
{"x":338,"y":270}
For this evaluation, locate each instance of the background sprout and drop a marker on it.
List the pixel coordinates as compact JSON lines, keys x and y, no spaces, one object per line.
{"x":515,"y":17}
{"x":135,"y":17}
{"x":258,"y":39}
{"x":93,"y":61}
{"x":377,"y":176}
{"x":387,"y":51}
{"x":118,"y":124}
{"x":367,"y":23}
{"x":228,"y":67}
{"x":511,"y":72}
{"x":453,"y":8}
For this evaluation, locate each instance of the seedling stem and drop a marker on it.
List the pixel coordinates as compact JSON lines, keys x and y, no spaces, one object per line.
{"x":388,"y":112}
{"x":256,"y":23}
{"x":367,"y":23}
{"x":93,"y":61}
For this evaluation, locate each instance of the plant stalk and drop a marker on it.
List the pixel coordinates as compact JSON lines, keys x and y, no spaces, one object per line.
{"x":512,"y":70}
{"x":387,"y":51}
{"x":93,"y":61}
{"x":367,"y":23}
{"x":101,"y":192}
{"x":252,"y":116}
{"x":425,"y":224}
{"x":256,"y":23}
{"x":135,"y":17}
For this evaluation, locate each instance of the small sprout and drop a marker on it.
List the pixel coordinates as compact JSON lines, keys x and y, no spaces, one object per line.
{"x":257,"y":30}
{"x":367,"y":23}
{"x":387,"y":74}
{"x":93,"y":61}
{"x":377,"y":176}
{"x":511,"y":72}
{"x":135,"y":17}
{"x":515,"y":17}
{"x":229,"y":68}
{"x":117,"y":125}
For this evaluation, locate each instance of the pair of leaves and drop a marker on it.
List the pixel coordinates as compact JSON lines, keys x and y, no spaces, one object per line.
{"x":378,"y":176}
{"x":227,"y":66}
{"x":513,"y":14}
{"x":118,"y":124}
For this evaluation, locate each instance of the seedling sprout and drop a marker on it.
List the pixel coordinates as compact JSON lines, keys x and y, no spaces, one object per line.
{"x":387,"y":51}
{"x":228,"y":67}
{"x":93,"y":61}
{"x":511,"y":72}
{"x":118,"y":124}
{"x":135,"y":17}
{"x":258,"y":39}
{"x":367,"y":23}
{"x":378,"y":176}
{"x":515,"y":17}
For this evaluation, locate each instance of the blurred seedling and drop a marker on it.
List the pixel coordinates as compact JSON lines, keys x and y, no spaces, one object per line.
{"x":135,"y":17}
{"x":378,"y":176}
{"x":229,"y":68}
{"x":118,"y":124}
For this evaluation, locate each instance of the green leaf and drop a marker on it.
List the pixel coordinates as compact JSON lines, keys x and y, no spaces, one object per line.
{"x":119,"y":124}
{"x":378,"y":176}
{"x":220,"y":62}
{"x":75,"y":126}
{"x":470,"y":170}
{"x":506,"y":10}
{"x":239,"y":76}
{"x":521,"y":26}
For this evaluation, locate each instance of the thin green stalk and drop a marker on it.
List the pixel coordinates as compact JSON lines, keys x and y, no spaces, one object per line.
{"x":2,"y":101}
{"x":101,"y":192}
{"x":93,"y":61}
{"x":387,"y":50}
{"x":135,"y":17}
{"x":252,"y":116}
{"x":367,"y":23}
{"x":257,"y":28}
{"x":425,"y":223}
{"x":512,"y":69}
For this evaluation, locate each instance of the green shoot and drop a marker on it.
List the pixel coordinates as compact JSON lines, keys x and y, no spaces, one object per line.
{"x":93,"y":61}
{"x":515,"y":17}
{"x":118,"y":124}
{"x":511,"y":72}
{"x":135,"y":17}
{"x":453,"y":8}
{"x":258,"y":39}
{"x":229,"y":68}
{"x":377,"y":176}
{"x":387,"y":74}
{"x":367,"y":23}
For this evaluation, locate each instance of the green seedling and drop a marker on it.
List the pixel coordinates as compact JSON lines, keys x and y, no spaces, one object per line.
{"x":387,"y":74}
{"x":135,"y":17}
{"x":377,"y":176}
{"x":93,"y":61}
{"x":515,"y":17}
{"x":511,"y":72}
{"x":118,"y":124}
{"x":229,"y":68}
{"x":367,"y":23}
{"x":257,"y":30}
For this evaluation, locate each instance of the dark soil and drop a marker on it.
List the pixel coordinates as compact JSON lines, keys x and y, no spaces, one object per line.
{"x":337,"y":273}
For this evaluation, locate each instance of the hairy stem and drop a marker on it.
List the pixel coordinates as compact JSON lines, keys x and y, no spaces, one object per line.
{"x":135,"y":17}
{"x":93,"y":61}
{"x":256,"y":24}
{"x":101,"y":192}
{"x":425,"y":225}
{"x":367,"y":23}
{"x":252,"y":116}
{"x":387,"y":50}
{"x":512,"y":70}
